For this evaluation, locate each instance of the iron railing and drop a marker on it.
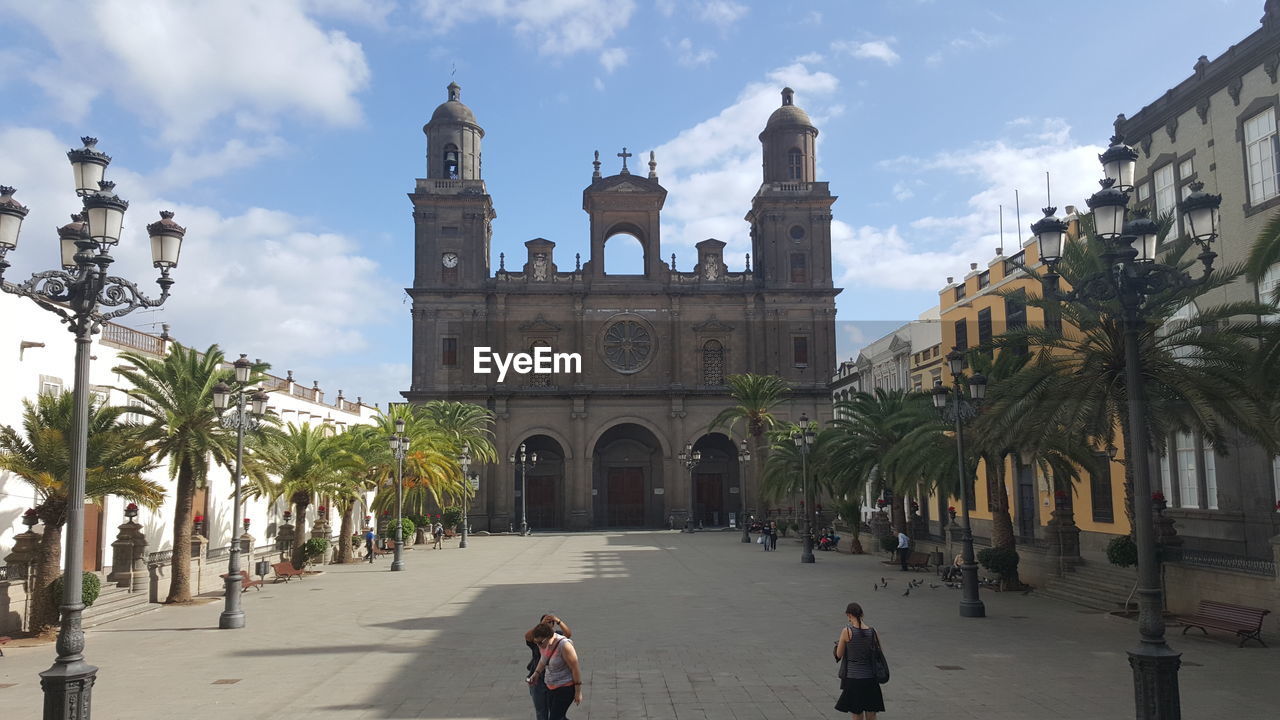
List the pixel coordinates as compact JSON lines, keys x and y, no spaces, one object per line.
{"x":1225,"y":561}
{"x":216,"y":553}
{"x":13,"y":572}
{"x":162,"y":557}
{"x":133,"y":339}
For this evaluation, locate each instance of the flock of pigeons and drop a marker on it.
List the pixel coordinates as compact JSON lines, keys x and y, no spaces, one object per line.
{"x":911,"y":585}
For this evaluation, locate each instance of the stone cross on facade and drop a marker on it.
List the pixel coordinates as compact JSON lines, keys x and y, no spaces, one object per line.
{"x":624,"y":155}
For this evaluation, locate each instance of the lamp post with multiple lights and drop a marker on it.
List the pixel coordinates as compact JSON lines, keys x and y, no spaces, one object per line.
{"x":690,"y":458}
{"x":399,"y":444}
{"x":744,"y":457}
{"x":970,"y":604}
{"x":85,"y":297}
{"x":1132,"y":274}
{"x":523,"y":459}
{"x":804,"y":437}
{"x":241,"y":419}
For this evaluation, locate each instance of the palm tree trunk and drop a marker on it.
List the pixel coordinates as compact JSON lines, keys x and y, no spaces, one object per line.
{"x":1002,"y":534}
{"x":300,"y":527}
{"x":344,"y":535}
{"x":899,"y":515}
{"x":46,"y":568}
{"x":180,"y":565}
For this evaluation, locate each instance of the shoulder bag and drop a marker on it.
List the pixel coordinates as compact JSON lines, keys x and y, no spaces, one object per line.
{"x":878,"y":664}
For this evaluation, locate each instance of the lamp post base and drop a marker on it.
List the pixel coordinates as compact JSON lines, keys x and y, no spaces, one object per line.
{"x":806,"y":555}
{"x":68,"y":690}
{"x":1155,"y":683}
{"x":397,"y":564}
{"x":462,"y":544}
{"x":233,"y":620}
{"x":746,"y":533}
{"x":972,"y":609}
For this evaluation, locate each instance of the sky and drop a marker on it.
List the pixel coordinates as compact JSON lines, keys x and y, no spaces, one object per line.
{"x":285,"y":136}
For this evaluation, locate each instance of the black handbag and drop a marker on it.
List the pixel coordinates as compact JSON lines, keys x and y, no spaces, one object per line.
{"x":878,"y":663}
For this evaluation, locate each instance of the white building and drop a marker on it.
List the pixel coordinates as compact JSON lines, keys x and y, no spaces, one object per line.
{"x":36,"y":356}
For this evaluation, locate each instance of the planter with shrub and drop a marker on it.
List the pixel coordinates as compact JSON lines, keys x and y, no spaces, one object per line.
{"x":1003,"y":561}
{"x":90,"y":586}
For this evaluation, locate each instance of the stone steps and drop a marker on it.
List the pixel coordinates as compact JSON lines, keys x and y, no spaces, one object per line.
{"x":1093,"y":586}
{"x":116,"y":603}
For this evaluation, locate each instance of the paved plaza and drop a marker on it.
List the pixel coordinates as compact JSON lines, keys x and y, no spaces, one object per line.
{"x":669,"y":626}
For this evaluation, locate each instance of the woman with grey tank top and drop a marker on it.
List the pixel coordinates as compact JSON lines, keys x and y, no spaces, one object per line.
{"x":559,"y":670}
{"x":859,"y":692}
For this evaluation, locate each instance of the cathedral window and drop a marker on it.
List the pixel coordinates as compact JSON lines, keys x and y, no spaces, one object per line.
{"x":449,"y":352}
{"x":795,"y":164}
{"x":713,"y":363}
{"x":799,"y":268}
{"x":800,"y":351}
{"x":451,"y":161}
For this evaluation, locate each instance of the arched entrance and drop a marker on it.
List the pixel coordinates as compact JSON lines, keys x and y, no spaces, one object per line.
{"x":544,"y":486}
{"x":715,"y":481}
{"x":626,"y":478}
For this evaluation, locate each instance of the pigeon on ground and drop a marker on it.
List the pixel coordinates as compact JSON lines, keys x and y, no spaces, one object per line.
{"x":908,"y":592}
{"x":1027,"y":591}
{"x":934,"y":587}
{"x":874,"y":587}
{"x":883,"y":582}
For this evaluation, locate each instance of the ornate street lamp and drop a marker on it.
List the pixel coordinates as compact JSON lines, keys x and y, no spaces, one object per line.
{"x":241,"y":418}
{"x":464,"y":461}
{"x":84,"y":296}
{"x":523,"y":460}
{"x":803,"y":437}
{"x":690,"y":458}
{"x":399,"y":444}
{"x":1132,"y":275}
{"x":744,"y":457}
{"x":961,"y":409}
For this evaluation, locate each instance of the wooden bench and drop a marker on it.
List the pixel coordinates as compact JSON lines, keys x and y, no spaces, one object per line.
{"x":1242,"y":620}
{"x":245,"y":581}
{"x":915,"y":561}
{"x":285,"y":571}
{"x":449,"y":534}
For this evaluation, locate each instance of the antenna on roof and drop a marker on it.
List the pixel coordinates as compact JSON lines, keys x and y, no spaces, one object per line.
{"x":1017,"y":206}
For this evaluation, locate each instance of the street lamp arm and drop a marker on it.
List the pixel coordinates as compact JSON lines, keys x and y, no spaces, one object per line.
{"x":76,"y":298}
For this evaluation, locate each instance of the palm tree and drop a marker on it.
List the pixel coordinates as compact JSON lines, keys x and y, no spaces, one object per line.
{"x":363,"y":462}
{"x":303,"y":463}
{"x":175,"y":393}
{"x":41,"y":455}
{"x":432,"y":477}
{"x":463,"y":424}
{"x":1198,"y":372}
{"x":755,"y":396}
{"x":867,"y":427}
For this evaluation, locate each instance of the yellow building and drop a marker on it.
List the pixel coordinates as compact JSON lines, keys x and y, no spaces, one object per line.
{"x":973,"y":309}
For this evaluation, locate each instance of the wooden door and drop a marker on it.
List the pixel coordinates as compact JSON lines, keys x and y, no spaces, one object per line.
{"x":708,"y":491}
{"x":626,"y":497}
{"x":92,"y":537}
{"x":541,"y":502}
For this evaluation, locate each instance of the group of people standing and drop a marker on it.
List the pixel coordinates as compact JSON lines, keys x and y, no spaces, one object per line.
{"x":554,"y":673}
{"x":769,"y":536}
{"x":370,"y":538}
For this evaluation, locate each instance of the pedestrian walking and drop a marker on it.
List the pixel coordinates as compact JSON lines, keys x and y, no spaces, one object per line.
{"x":773,"y":535}
{"x":560,"y":671}
{"x":368,"y":544}
{"x":438,"y":534}
{"x":537,"y":689}
{"x":904,"y":549}
{"x":855,"y":650}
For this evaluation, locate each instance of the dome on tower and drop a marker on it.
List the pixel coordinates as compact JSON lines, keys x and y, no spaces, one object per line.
{"x":788,"y":114}
{"x":452,"y":110}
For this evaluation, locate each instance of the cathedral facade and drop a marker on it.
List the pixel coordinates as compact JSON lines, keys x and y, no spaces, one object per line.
{"x":652,"y":349}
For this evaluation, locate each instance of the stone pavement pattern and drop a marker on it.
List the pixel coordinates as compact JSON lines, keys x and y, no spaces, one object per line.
{"x":669,"y":626}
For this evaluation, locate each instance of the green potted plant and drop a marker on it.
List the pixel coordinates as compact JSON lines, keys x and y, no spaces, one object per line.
{"x":452,"y":517}
{"x":90,"y":586}
{"x":1002,"y":561}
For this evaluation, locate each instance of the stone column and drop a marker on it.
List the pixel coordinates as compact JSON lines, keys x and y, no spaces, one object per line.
{"x":1064,"y":535}
{"x":578,"y":480}
{"x":284,"y":541}
{"x":128,"y":555}
{"x":24,"y":549}
{"x":1168,"y":544}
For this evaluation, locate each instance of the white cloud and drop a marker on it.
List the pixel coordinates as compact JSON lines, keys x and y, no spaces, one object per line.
{"x":936,"y":246}
{"x":723,"y":13}
{"x":901,"y":191}
{"x":557,"y":27}
{"x":373,"y":13}
{"x":613,"y":58}
{"x":869,"y":50}
{"x":260,"y":58}
{"x":259,"y":281}
{"x":812,"y":58}
{"x":710,"y":168}
{"x":687,"y":56}
{"x":666,"y":7}
{"x":185,"y":169}
{"x":971,"y":41}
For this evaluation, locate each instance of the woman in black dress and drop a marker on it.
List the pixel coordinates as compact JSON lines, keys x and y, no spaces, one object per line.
{"x":859,"y":692}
